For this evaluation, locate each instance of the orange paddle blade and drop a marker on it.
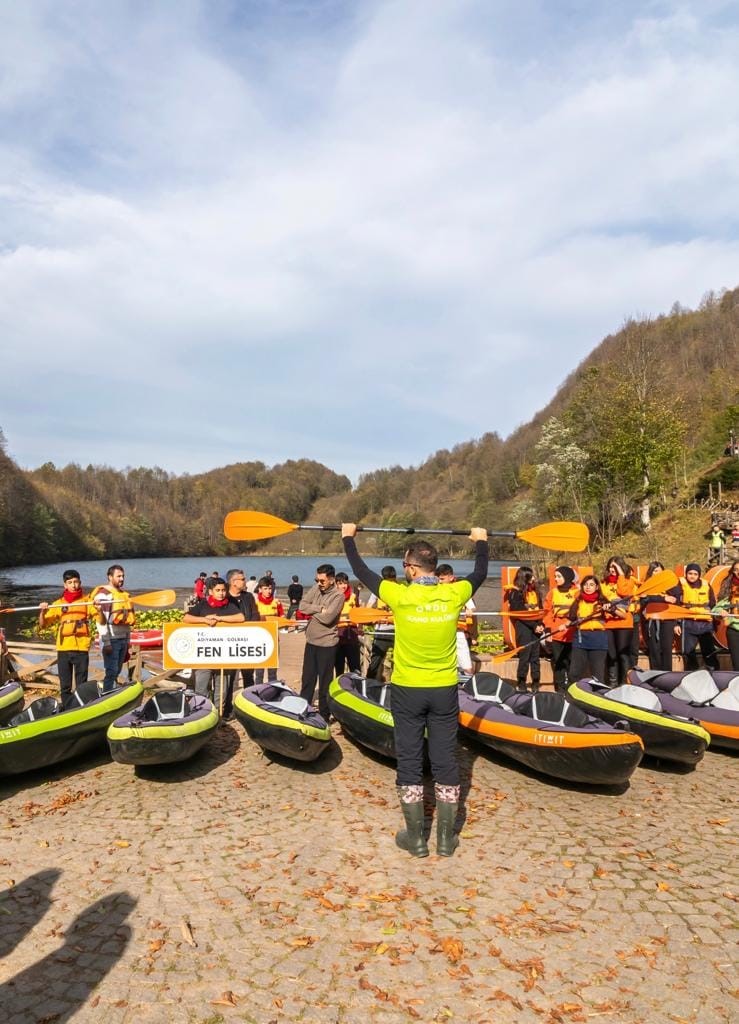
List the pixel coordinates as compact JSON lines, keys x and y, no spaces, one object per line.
{"x":247,"y":525}
{"x":155,"y":599}
{"x":557,"y":536}
{"x":657,"y":584}
{"x":364,"y":616}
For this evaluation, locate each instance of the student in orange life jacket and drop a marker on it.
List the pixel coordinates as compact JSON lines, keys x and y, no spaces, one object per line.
{"x":347,"y":649}
{"x":115,"y":618}
{"x":658,"y":633}
{"x":617,"y":585}
{"x":698,"y":631}
{"x":557,"y":604}
{"x":590,"y":643}
{"x":73,"y":638}
{"x":525,"y":596}
{"x":269,"y":608}
{"x":383,"y":637}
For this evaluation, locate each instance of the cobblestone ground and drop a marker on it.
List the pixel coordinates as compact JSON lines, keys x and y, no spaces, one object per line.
{"x":238,"y":888}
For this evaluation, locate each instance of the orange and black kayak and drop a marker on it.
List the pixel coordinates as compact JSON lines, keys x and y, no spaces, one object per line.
{"x":546,"y":732}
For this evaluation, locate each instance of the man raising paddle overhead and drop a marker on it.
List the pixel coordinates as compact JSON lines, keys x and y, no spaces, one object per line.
{"x":424,"y":682}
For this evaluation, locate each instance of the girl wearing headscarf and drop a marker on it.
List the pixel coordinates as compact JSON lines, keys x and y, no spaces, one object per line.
{"x":525,"y":596}
{"x":557,"y":605}
{"x":658,"y":633}
{"x":697,"y":631}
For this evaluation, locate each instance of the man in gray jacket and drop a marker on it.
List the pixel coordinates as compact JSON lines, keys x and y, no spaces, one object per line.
{"x":324,"y":603}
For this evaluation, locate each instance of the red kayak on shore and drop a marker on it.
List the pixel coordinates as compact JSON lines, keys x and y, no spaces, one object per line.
{"x":146,"y":637}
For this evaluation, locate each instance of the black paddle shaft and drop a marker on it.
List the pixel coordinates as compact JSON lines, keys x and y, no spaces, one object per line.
{"x":409,"y":530}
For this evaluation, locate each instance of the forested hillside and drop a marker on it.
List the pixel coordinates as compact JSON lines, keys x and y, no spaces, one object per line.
{"x":639,"y":428}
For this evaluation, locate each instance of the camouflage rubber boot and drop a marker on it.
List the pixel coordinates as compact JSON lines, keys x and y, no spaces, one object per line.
{"x":411,"y":838}
{"x":447,"y":804}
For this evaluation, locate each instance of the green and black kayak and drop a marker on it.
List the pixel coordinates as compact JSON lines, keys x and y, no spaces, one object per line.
{"x":362,"y":707}
{"x":44,"y":734}
{"x":665,"y":735}
{"x":281,"y":722}
{"x":11,"y":701}
{"x":171,"y":726}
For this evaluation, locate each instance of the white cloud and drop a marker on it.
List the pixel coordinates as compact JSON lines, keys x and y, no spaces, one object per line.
{"x":404,"y":205}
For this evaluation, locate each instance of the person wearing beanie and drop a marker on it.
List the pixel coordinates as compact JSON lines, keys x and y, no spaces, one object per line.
{"x":557,"y":604}
{"x":71,"y":614}
{"x":697,"y":631}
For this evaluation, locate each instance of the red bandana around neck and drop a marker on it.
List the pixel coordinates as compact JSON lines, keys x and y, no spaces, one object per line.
{"x":71,"y":595}
{"x":215,"y":602}
{"x":589,"y":598}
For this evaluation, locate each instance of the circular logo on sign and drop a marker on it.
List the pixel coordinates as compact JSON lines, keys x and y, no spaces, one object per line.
{"x":180,"y":645}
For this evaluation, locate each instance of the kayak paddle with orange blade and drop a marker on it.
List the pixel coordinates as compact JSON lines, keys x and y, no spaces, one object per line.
{"x":657,"y":584}
{"x":154,"y":599}
{"x":558,"y":536}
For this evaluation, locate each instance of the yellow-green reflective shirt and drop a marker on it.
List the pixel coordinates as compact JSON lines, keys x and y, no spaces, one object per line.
{"x":426,"y":619}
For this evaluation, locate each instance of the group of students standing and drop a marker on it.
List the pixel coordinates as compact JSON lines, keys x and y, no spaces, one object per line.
{"x":596,"y":627}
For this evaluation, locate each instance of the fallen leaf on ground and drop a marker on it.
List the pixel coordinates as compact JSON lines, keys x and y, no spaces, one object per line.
{"x":225,"y":999}
{"x":187,"y":934}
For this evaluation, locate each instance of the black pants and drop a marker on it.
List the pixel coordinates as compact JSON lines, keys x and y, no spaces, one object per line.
{"x":732,"y":638}
{"x":529,"y":657}
{"x":381,"y":644}
{"x":347,"y":653}
{"x":71,"y":664}
{"x":619,"y":654}
{"x":432,"y":709}
{"x":659,"y":637}
{"x":561,"y":654}
{"x":588,"y":663}
{"x":708,"y":649}
{"x":318,"y":666}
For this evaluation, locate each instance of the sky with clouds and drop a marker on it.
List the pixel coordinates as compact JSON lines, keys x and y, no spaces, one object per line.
{"x":349,"y":230}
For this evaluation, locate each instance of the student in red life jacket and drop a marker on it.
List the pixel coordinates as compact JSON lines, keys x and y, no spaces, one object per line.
{"x":347,"y":649}
{"x":269,"y":608}
{"x":199,"y":588}
{"x":697,"y":595}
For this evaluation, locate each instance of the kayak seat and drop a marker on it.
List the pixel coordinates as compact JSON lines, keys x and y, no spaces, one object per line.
{"x":733,"y":686}
{"x":84,"y":694}
{"x":555,"y":709}
{"x":697,"y":688}
{"x":635,"y":697}
{"x":377,"y":692}
{"x":166,"y":706}
{"x":489,"y":686}
{"x":291,"y":703}
{"x":43,"y":707}
{"x":726,"y":700}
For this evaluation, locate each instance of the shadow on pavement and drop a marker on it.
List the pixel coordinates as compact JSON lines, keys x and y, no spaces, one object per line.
{"x":56,"y":987}
{"x":330,"y":759}
{"x":22,"y":907}
{"x":30,"y":780}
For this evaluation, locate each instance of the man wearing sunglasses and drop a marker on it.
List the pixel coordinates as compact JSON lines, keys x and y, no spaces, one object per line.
{"x":324,"y":603}
{"x":424,"y":682}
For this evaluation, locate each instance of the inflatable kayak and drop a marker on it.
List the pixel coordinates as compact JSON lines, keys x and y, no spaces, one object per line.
{"x":667,"y":736}
{"x":280,"y":721}
{"x":44,"y":734}
{"x":362,"y":707}
{"x":147,"y":637}
{"x":169,"y":727}
{"x":712,"y":698}
{"x":546,"y":732}
{"x":11,"y":701}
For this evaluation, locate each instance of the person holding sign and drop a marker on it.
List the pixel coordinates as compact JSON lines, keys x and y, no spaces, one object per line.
{"x":216,"y":608}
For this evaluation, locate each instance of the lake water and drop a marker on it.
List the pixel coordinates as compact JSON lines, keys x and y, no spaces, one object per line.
{"x":29,"y":584}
